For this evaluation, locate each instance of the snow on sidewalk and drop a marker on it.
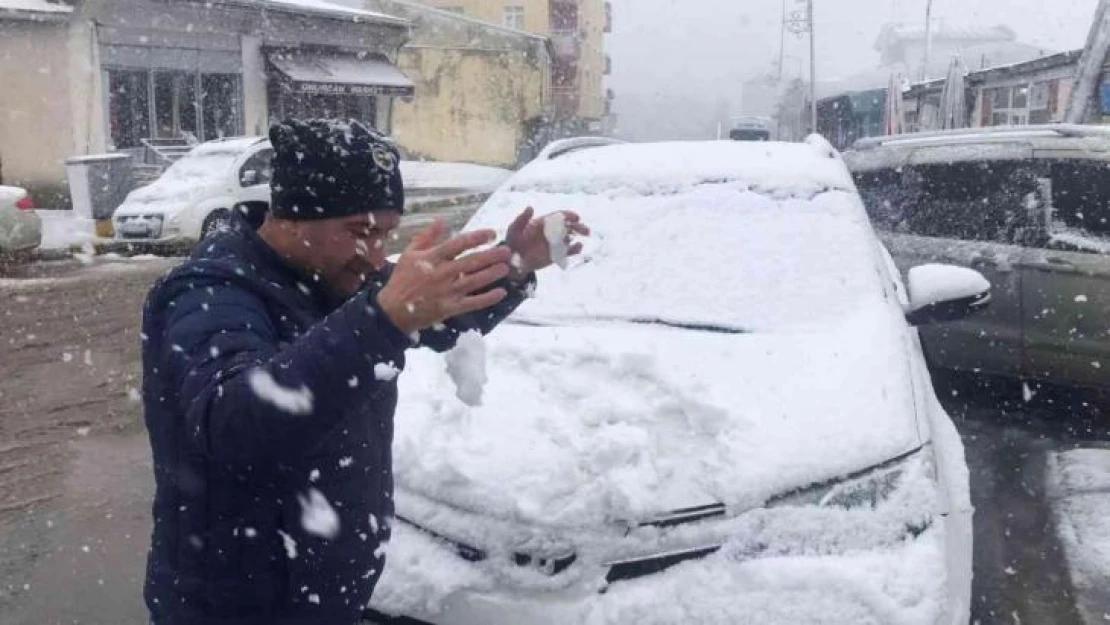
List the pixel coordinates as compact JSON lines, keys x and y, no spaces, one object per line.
{"x":63,"y":229}
{"x":1079,"y":491}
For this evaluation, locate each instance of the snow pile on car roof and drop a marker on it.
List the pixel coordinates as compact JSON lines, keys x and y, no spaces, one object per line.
{"x":794,"y":168}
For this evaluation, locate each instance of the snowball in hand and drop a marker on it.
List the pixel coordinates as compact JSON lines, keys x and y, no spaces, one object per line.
{"x":555,"y":231}
{"x":317,"y":516}
{"x":466,"y":364}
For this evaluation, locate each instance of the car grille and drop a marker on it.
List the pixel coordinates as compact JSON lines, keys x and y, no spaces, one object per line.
{"x":139,"y":227}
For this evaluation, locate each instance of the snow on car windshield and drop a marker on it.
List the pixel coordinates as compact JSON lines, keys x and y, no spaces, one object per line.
{"x":763,"y":244}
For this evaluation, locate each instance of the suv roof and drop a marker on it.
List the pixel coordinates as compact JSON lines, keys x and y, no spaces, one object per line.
{"x":980,"y":144}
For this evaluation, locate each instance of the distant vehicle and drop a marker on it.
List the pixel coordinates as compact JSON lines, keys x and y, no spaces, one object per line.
{"x":659,"y":442}
{"x":196,"y":195}
{"x":1028,"y":206}
{"x":750,"y":129}
{"x":20,"y":226}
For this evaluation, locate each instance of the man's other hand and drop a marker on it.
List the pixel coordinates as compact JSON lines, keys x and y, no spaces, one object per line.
{"x":530,"y":246}
{"x":435,"y":281}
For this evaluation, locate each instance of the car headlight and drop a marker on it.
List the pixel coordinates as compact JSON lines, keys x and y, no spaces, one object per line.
{"x":867,"y":488}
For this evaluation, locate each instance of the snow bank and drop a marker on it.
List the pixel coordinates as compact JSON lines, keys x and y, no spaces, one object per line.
{"x":1079,"y":487}
{"x":63,"y":229}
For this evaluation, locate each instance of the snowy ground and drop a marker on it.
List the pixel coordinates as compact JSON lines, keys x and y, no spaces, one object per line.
{"x":1079,"y":488}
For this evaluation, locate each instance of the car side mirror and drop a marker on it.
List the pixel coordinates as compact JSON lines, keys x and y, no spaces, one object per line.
{"x":941,"y":293}
{"x":249,"y":178}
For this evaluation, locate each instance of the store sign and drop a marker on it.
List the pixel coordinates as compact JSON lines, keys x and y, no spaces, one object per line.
{"x":323,"y":88}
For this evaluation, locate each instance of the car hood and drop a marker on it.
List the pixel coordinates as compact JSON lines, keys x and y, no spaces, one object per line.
{"x":171,"y":191}
{"x":585,"y":424}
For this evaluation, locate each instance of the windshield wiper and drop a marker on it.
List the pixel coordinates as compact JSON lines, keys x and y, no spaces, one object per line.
{"x":654,"y":321}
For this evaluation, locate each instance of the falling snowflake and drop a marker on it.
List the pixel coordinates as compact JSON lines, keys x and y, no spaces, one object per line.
{"x":294,"y":401}
{"x":385,"y":371}
{"x":290,"y":545}
{"x":317,"y":516}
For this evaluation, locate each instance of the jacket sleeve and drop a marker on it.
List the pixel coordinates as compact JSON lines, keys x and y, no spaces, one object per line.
{"x":442,"y":338}
{"x":245,"y":396}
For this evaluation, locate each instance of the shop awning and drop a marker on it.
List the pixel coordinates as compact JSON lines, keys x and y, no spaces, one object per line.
{"x":341,"y":74}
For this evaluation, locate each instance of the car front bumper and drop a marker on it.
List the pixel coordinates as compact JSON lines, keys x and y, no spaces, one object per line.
{"x":904,"y":582}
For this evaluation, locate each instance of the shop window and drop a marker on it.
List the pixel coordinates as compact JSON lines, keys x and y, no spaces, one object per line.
{"x":220,"y":102}
{"x":144,"y":104}
{"x":128,"y":107}
{"x":175,"y":105}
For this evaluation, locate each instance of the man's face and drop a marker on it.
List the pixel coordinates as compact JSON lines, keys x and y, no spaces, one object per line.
{"x":346,"y":250}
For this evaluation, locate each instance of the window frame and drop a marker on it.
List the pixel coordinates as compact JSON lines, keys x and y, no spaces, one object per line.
{"x":513,"y":16}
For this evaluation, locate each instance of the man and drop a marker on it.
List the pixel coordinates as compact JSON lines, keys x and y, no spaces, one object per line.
{"x":270,"y":361}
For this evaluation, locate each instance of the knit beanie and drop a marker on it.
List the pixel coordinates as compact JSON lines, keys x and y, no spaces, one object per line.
{"x":324,"y":169}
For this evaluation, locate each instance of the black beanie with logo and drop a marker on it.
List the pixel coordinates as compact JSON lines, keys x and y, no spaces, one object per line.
{"x":324,"y":169}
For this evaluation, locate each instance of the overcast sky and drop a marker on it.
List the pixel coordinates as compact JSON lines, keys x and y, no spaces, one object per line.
{"x":671,"y":56}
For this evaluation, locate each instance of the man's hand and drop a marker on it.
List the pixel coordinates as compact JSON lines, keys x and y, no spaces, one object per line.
{"x":530,"y":247}
{"x":433,"y":281}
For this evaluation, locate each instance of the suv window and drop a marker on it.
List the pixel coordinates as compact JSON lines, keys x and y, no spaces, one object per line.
{"x":261,"y":165}
{"x":971,"y":201}
{"x":1079,"y":218}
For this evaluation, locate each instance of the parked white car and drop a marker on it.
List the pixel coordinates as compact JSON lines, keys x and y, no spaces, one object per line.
{"x":718,"y":413}
{"x":197,"y":193}
{"x":20,"y":226}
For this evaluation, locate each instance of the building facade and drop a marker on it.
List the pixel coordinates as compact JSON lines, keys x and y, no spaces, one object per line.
{"x":481,"y":88}
{"x":133,"y":75}
{"x":577,"y":29}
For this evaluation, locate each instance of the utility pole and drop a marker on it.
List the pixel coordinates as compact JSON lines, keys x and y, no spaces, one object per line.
{"x":928,"y":39}
{"x":813,"y":68}
{"x":1090,"y":66}
{"x":782,"y":41}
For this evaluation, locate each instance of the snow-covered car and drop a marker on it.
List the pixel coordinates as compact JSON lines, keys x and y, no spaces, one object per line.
{"x":1027,"y":206}
{"x":196,"y":194}
{"x":20,"y":226}
{"x":718,"y":413}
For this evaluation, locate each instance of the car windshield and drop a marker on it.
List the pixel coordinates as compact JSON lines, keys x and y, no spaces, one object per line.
{"x":202,"y":165}
{"x":640,"y":267}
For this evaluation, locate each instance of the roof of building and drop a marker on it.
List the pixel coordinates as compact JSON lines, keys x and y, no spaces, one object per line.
{"x":894,"y":33}
{"x":33,"y":9}
{"x":418,"y":7}
{"x":987,"y":56}
{"x":320,"y":8}
{"x":1060,"y":59}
